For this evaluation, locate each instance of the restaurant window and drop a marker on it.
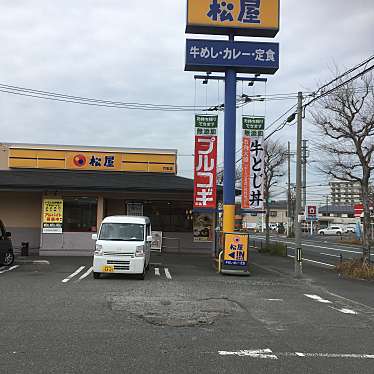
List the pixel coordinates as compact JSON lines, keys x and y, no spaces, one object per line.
{"x":80,"y":214}
{"x":273,"y":213}
{"x":169,"y":216}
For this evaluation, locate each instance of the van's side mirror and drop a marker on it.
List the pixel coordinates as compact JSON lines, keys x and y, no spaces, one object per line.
{"x":8,"y":234}
{"x":149,"y":238}
{"x":94,"y":236}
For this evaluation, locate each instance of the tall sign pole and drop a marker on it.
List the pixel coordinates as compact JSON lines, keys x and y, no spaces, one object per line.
{"x":297,"y":224}
{"x":234,"y":18}
{"x":229,"y":150}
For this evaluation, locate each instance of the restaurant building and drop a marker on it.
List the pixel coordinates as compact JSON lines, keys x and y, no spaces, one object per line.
{"x":54,"y":197}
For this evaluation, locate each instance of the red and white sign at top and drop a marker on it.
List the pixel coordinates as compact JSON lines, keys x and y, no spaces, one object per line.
{"x":205,"y":170}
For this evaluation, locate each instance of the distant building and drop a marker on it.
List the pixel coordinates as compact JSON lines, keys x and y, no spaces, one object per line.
{"x":336,"y":214}
{"x":278,"y":214}
{"x":345,"y":193}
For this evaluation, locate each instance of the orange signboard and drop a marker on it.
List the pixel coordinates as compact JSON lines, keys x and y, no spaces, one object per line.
{"x":239,"y":17}
{"x":236,"y":249}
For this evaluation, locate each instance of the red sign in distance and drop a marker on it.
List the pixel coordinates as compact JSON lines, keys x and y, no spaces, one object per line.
{"x":312,"y":211}
{"x":359,"y":208}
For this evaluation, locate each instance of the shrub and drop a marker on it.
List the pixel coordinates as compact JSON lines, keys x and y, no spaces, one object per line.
{"x":356,"y":269}
{"x":274,"y":249}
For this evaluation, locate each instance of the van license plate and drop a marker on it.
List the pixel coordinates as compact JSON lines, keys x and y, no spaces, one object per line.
{"x":108,"y":269}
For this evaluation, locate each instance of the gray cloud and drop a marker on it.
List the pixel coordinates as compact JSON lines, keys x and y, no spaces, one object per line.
{"x":134,"y":51}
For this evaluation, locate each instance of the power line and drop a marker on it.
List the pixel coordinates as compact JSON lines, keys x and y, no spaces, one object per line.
{"x":365,"y":62}
{"x":341,"y":84}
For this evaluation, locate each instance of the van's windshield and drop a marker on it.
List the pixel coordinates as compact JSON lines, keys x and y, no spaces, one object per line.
{"x":122,"y":232}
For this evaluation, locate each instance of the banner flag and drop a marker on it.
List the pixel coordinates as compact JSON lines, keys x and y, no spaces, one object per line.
{"x":205,"y":168}
{"x":253,"y":156}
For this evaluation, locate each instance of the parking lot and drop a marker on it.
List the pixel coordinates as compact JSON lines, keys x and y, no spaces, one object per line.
{"x":183,"y":317}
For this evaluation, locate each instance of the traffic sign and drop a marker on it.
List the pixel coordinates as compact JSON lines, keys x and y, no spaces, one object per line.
{"x":311,"y":213}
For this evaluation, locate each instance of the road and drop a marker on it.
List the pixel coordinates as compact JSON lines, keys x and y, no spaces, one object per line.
{"x":184,"y":318}
{"x":325,"y":251}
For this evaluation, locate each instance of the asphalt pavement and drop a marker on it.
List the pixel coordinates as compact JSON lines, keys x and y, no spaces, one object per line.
{"x":320,"y":250}
{"x":183,"y":318}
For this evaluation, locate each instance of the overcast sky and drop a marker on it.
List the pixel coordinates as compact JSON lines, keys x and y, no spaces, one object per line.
{"x":134,"y":51}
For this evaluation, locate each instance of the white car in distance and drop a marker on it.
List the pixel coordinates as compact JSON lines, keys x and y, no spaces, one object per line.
{"x":332,"y":230}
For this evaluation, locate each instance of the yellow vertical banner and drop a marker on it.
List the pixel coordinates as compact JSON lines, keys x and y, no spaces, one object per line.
{"x":52,"y":216}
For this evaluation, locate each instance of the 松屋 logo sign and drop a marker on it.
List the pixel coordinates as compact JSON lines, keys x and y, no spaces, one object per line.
{"x":205,"y":168}
{"x":242,"y":17}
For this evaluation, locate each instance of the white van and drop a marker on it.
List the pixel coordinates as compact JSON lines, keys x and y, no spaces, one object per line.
{"x":123,"y":245}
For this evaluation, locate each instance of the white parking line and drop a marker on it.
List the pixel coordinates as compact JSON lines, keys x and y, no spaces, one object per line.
{"x":73,"y":274}
{"x":257,"y":353}
{"x":318,"y":298}
{"x":10,"y":269}
{"x":88,"y":272}
{"x":167,"y":273}
{"x":157,"y":272}
{"x":328,"y":254}
{"x":45,"y":262}
{"x":345,"y":311}
{"x":269,"y":354}
{"x":316,"y":262}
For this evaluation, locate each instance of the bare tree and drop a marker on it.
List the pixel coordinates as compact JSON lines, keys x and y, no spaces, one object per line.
{"x":345,"y":120}
{"x":275,"y":158}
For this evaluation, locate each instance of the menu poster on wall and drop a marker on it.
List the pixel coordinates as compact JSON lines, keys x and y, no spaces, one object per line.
{"x":156,"y":241}
{"x":52,"y":216}
{"x":203,"y":227}
{"x":134,"y":209}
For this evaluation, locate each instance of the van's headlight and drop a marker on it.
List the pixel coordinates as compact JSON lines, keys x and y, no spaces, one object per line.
{"x":98,"y":249}
{"x":139,"y":252}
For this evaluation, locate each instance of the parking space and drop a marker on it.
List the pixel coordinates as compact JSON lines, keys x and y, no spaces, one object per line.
{"x":221,"y":323}
{"x":85,"y":272}
{"x":6,"y":269}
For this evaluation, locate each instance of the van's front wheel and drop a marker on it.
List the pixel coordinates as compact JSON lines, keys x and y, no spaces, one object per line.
{"x":96,"y":275}
{"x":141,"y":276}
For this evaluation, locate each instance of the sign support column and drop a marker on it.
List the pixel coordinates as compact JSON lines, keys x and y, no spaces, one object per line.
{"x":229,"y":150}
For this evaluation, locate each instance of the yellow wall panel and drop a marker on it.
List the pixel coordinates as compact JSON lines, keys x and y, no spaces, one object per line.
{"x":51,"y":154}
{"x":23,"y":153}
{"x":161,"y":168}
{"x":51,"y":164}
{"x":22,"y":163}
{"x":129,"y":166}
{"x":138,"y":157}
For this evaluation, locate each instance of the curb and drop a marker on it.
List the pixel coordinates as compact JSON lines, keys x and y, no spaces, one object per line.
{"x":32,"y":262}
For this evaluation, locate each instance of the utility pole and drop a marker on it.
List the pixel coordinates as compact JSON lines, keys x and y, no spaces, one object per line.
{"x":289,"y":191}
{"x":297,"y":225}
{"x":304,"y":172}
